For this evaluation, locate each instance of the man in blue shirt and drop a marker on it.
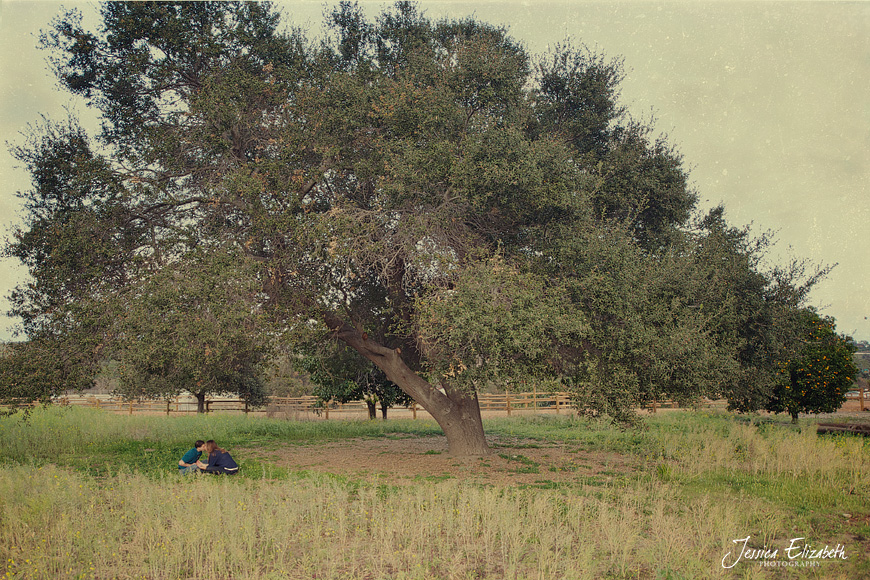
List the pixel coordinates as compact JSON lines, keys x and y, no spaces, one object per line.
{"x":187,"y":464}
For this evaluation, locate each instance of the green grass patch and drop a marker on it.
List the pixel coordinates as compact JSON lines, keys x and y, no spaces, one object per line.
{"x":100,"y":443}
{"x":526,"y":465}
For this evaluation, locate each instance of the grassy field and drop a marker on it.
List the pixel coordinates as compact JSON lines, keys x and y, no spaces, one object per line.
{"x":88,"y":494}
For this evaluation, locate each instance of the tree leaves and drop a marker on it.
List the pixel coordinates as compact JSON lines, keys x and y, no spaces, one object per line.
{"x":417,"y":189}
{"x":819,"y":372}
{"x":191,"y":326}
{"x":495,"y":324}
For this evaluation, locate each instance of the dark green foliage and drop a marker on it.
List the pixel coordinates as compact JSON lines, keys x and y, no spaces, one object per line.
{"x":647,"y":338}
{"x":817,"y":376}
{"x":340,"y":375}
{"x":189,"y":327}
{"x":642,"y":182}
{"x":40,"y":369}
{"x":497,"y":325}
{"x":77,"y":240}
{"x":153,"y":56}
{"x":754,"y":315}
{"x":577,"y":97}
{"x":451,"y":208}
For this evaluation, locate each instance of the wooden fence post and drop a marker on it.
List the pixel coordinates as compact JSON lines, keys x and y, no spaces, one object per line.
{"x":861,"y":397}
{"x":414,"y":409}
{"x":167,"y":407}
{"x":131,"y":407}
{"x":507,"y":396}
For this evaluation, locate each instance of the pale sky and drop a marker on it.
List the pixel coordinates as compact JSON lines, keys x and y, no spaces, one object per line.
{"x":767,"y":101}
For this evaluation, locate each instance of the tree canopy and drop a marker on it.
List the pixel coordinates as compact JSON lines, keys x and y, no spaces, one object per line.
{"x":190,"y":326}
{"x":453,"y":209}
{"x":816,"y":377}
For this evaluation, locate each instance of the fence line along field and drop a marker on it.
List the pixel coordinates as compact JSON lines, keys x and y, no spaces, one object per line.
{"x":86,"y":493}
{"x":311,"y":407}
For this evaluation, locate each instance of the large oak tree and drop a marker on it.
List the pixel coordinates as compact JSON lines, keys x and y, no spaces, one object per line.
{"x":453,"y":209}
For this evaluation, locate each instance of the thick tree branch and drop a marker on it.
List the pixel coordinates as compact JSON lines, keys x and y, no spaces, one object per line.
{"x":388,"y":360}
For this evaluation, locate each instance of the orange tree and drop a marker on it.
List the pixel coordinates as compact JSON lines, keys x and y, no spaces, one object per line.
{"x":820,"y":372}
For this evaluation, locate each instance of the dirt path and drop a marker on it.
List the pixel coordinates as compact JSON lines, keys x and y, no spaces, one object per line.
{"x":405,"y":459}
{"x":402,"y":460}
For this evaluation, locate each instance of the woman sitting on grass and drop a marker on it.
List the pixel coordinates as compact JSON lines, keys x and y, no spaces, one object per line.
{"x":219,"y":461}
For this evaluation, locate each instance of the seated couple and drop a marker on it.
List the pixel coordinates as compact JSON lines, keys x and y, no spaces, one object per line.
{"x":217,"y":459}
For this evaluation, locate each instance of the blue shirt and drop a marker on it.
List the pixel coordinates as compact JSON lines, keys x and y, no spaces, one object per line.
{"x":190,"y":457}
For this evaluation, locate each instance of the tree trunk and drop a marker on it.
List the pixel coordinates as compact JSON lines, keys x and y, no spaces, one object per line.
{"x":200,"y":402}
{"x":456,"y":411}
{"x":384,"y":408}
{"x":794,"y":418}
{"x":373,"y":411}
{"x":463,"y":426}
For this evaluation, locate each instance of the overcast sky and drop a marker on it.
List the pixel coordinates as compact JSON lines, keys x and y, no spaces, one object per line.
{"x":767,"y":101}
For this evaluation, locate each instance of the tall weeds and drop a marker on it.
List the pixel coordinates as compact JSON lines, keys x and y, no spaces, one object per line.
{"x":702,"y":481}
{"x":59,"y":524}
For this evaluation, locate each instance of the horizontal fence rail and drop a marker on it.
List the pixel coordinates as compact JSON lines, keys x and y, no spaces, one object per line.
{"x":508,"y":403}
{"x":312,"y":407}
{"x":862,"y":396}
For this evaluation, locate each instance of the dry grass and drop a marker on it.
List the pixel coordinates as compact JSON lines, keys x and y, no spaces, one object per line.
{"x":58,"y":524}
{"x":700,"y":483}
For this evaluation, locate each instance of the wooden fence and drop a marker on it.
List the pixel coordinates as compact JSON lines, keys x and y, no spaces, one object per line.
{"x":311,"y":407}
{"x":862,"y":395}
{"x":298,"y":407}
